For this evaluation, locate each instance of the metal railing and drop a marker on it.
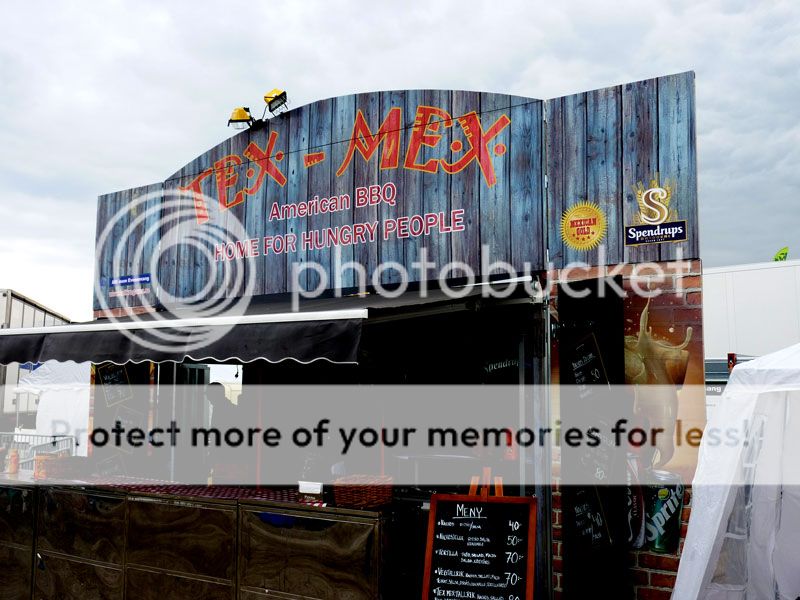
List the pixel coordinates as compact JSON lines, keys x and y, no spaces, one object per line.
{"x":31,"y":445}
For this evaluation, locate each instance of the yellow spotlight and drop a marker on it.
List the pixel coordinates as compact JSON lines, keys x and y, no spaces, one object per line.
{"x":275,"y":99}
{"x":240,"y":118}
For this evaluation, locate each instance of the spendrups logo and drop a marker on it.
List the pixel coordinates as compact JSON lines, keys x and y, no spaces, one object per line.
{"x":655,"y":223}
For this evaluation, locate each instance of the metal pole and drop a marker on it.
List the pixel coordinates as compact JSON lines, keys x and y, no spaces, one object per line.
{"x":172,"y":420}
{"x":522,"y":413}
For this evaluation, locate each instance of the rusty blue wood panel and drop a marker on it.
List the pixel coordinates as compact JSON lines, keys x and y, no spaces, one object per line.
{"x":677,"y":157}
{"x":465,"y":190}
{"x":391,"y":250}
{"x":639,"y":156}
{"x":319,"y":186}
{"x":240,"y":282}
{"x":166,"y":276}
{"x":495,"y":211}
{"x":412,"y":182}
{"x":436,"y":186}
{"x":149,"y":246}
{"x":597,"y":146}
{"x":527,"y":190}
{"x":574,"y":166}
{"x":297,"y":191}
{"x":344,"y":114}
{"x":554,"y":192}
{"x":190,"y":279}
{"x":366,"y":174}
{"x":120,"y":207}
{"x":101,"y":254}
{"x":269,"y":270}
{"x":604,"y":169}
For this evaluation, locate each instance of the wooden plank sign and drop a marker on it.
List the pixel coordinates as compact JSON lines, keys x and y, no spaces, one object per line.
{"x":379,"y":178}
{"x":480,"y":547}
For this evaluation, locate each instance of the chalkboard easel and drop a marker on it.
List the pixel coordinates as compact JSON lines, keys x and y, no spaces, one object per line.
{"x":480,"y":544}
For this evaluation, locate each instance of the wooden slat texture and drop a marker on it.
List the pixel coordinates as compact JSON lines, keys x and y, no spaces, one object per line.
{"x":596,"y":145}
{"x":149,"y":246}
{"x":412,"y":181}
{"x":391,"y":250}
{"x":436,"y":186}
{"x":134,"y":238}
{"x":256,"y":211}
{"x":344,"y":113}
{"x":677,"y":159}
{"x":216,"y":216}
{"x":235,"y":219}
{"x":319,"y":185}
{"x":574,"y":161}
{"x":495,"y":211}
{"x":102,"y":266}
{"x":365,"y":174}
{"x":269,"y":271}
{"x":187,"y":281}
{"x":297,"y":189}
{"x":639,"y":155}
{"x":554,"y":206}
{"x":527,"y":243}
{"x":119,"y":247}
{"x":465,"y":189}
{"x":604,"y":169}
{"x":168,"y":243}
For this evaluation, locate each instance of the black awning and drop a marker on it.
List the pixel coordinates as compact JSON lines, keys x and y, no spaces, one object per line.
{"x":271,"y":329}
{"x":332,"y":336}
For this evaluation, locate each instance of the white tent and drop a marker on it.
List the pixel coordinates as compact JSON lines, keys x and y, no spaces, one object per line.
{"x":64,"y":392}
{"x":743,"y":540}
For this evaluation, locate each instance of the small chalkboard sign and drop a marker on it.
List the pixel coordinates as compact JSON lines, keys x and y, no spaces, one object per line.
{"x":590,"y":376}
{"x":587,"y":363}
{"x":115,"y":382}
{"x":590,"y":522}
{"x":480,"y":547}
{"x":590,"y":379}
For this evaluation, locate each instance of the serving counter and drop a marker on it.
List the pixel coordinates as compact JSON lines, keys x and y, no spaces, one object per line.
{"x":137,"y":542}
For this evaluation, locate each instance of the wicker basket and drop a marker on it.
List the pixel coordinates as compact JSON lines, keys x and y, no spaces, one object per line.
{"x":362,"y":491}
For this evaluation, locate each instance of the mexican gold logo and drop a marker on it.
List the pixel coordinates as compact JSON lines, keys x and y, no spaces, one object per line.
{"x":583,"y":226}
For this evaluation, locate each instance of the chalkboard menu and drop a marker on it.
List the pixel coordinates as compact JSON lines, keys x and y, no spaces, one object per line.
{"x":115,"y":382}
{"x":480,"y":547}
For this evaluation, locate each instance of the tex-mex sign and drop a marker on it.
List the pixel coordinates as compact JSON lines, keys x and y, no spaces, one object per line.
{"x":381,"y":178}
{"x":430,"y":124}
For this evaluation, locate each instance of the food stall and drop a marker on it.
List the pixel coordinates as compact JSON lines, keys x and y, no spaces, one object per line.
{"x":409,"y":240}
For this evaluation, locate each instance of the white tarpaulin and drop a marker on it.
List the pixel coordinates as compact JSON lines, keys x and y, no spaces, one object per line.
{"x":743,"y":541}
{"x":63,"y":390}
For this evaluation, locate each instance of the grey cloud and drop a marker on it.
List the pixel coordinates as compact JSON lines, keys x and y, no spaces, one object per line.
{"x":98,"y":97}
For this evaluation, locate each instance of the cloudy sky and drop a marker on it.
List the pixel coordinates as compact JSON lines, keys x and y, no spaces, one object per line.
{"x":101,"y":96}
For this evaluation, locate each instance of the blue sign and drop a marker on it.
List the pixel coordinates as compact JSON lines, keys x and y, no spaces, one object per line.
{"x":127,"y":280}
